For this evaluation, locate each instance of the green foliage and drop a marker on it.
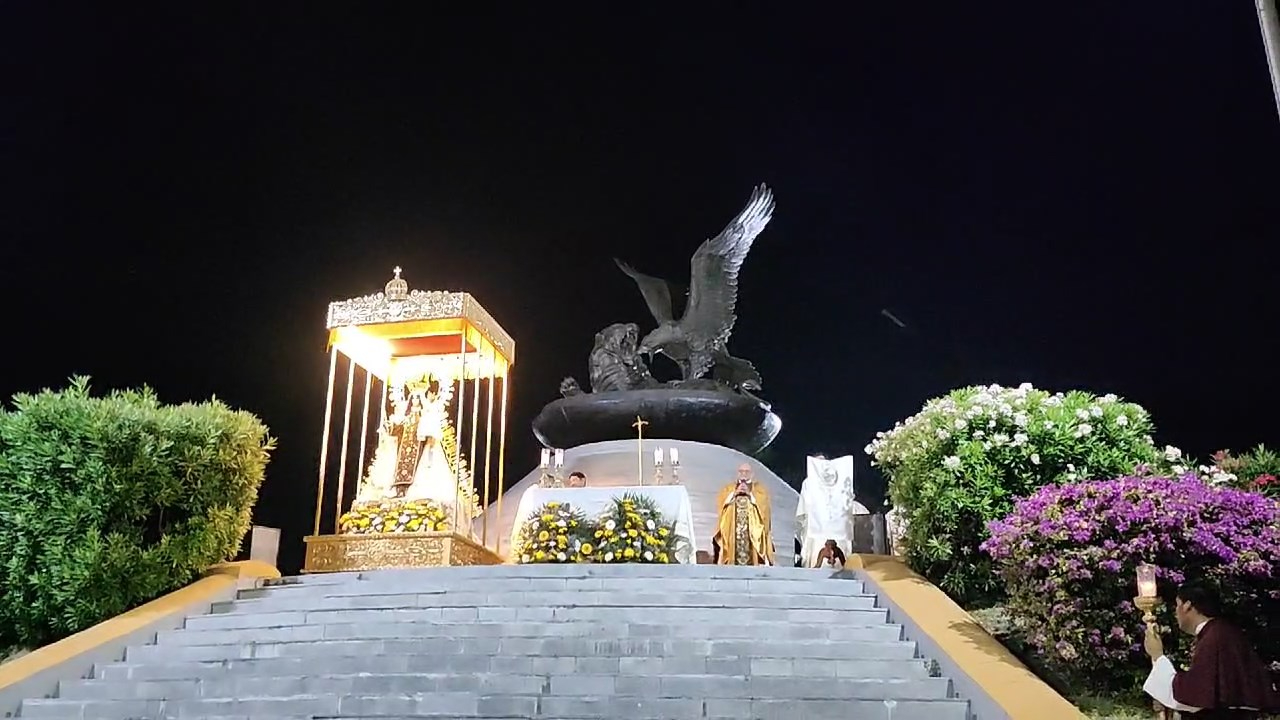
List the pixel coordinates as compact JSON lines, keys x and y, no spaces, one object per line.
{"x":109,"y":502}
{"x":1114,"y":707}
{"x":967,"y":457}
{"x":1257,"y":470}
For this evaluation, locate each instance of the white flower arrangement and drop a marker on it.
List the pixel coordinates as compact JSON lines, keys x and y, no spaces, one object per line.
{"x":1015,"y":422}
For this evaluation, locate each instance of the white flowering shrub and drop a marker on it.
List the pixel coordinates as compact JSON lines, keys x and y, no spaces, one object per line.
{"x":965,"y":458}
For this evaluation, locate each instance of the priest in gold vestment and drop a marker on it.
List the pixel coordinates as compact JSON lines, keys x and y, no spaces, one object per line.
{"x":743,"y":534}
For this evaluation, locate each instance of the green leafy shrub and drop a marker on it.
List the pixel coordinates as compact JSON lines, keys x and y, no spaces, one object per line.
{"x":964,"y":460}
{"x":109,"y":502}
{"x":1257,"y":470}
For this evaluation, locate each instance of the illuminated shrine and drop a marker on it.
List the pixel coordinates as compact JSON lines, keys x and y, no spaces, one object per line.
{"x":415,"y":419}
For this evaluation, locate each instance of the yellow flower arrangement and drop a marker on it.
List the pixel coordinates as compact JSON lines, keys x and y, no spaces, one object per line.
{"x":556,"y":533}
{"x":394,"y":516}
{"x":633,"y":530}
{"x":630,"y":530}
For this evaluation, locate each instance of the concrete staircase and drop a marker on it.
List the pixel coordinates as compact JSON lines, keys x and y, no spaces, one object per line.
{"x":548,"y":641}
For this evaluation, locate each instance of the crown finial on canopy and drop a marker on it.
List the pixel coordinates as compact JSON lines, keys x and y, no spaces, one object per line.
{"x":397,"y":288}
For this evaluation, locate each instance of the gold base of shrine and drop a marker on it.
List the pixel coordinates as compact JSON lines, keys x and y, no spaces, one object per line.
{"x":351,"y":553}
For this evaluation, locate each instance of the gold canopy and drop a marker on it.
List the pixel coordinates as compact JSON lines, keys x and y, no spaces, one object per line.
{"x":396,"y":339}
{"x":436,"y":331}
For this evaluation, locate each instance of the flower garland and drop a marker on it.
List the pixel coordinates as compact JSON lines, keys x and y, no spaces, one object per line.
{"x":394,"y":516}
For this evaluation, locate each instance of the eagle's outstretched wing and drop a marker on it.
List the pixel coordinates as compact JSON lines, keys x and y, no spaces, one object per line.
{"x":713,"y":278}
{"x":657,"y":295}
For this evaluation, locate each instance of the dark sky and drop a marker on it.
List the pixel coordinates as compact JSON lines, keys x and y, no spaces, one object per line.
{"x":1080,"y":195}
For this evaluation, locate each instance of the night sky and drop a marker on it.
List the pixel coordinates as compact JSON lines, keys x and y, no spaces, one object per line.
{"x":1079,"y":195}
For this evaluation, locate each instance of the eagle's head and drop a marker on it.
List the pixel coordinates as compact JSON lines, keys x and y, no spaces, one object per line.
{"x":662,"y":340}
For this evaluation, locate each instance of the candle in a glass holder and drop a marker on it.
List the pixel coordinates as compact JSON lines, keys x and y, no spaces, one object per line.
{"x":1146,"y":581}
{"x":675,"y":456}
{"x":657,"y":456}
{"x":559,"y":458}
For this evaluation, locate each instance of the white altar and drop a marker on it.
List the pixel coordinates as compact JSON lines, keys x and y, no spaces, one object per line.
{"x":672,"y":501}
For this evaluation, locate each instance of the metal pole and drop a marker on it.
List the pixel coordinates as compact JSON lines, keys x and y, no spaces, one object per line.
{"x":1269,"y":23}
{"x":346,"y":436}
{"x":502,"y":444}
{"x":457,"y":438}
{"x":471,"y":458}
{"x":324,"y":439}
{"x":488,"y":444}
{"x":364,"y":425}
{"x":382,"y":418}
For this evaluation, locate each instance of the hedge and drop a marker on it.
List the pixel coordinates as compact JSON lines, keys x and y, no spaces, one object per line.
{"x":109,"y":502}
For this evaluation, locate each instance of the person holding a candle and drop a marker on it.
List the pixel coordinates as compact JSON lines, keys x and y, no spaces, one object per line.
{"x":1226,"y":678}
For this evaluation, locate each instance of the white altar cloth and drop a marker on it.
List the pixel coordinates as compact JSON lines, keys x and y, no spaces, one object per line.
{"x":672,"y":501}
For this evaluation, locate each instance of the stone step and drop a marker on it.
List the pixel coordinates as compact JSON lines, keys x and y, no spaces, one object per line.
{"x":472,"y":705}
{"x":473,"y":654}
{"x":296,"y":666}
{"x":447,"y":578}
{"x":242,"y":618}
{"x":573,"y":642}
{"x":392,"y":598}
{"x":570,"y":570}
{"x":447,"y":582}
{"x":430,"y":631}
{"x":563,"y":685}
{"x":735,"y":589}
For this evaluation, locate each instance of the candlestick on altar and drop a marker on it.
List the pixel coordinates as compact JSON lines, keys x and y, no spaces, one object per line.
{"x":1146,"y":600}
{"x":559,"y":458}
{"x":675,"y":466}
{"x":639,"y":426}
{"x":546,"y":458}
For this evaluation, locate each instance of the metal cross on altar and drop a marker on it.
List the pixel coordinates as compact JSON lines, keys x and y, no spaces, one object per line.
{"x":639,"y":426}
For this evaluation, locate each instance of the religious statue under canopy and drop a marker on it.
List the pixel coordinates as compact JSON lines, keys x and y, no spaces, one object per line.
{"x":414,"y":456}
{"x":743,"y":533}
{"x":827,"y":507}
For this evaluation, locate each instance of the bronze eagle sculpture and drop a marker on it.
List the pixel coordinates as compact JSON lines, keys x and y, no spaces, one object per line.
{"x":697,"y":340}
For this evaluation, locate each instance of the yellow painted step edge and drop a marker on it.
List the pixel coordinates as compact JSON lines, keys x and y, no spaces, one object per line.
{"x":219,"y":583}
{"x":996,"y":671}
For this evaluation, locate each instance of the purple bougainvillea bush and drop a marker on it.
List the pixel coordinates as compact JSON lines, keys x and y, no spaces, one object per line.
{"x":1068,"y":554}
